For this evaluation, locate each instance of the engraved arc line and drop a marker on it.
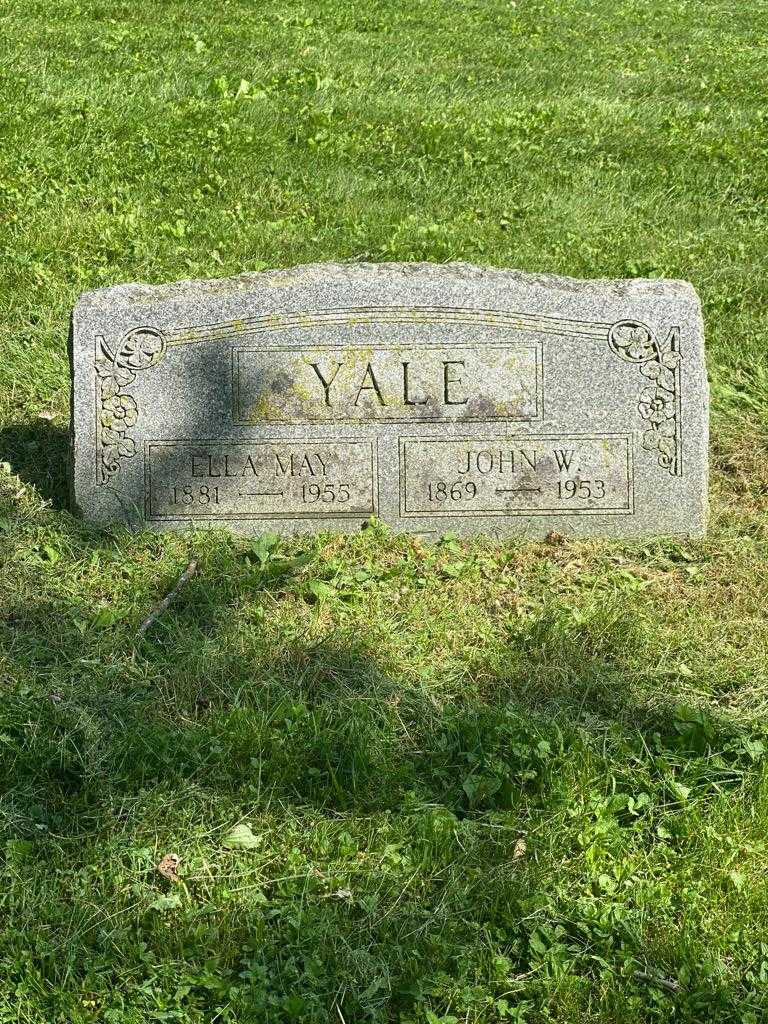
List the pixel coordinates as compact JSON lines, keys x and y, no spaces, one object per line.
{"x":373,"y":315}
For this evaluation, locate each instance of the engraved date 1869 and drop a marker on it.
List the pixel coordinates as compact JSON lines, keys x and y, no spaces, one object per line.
{"x":444,"y":490}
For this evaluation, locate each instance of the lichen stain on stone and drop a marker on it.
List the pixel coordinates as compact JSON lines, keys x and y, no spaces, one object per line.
{"x":278,"y":281}
{"x":184,"y":337}
{"x":302,"y":394}
{"x":263,"y":411}
{"x":605,"y":446}
{"x":362,"y":355}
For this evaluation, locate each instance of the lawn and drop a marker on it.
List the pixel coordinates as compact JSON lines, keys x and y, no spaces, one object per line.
{"x":466,"y":783}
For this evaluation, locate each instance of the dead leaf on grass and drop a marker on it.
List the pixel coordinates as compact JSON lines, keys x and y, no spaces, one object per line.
{"x":167,"y":867}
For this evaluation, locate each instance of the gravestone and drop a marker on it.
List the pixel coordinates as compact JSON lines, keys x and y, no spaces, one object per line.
{"x":435,"y":398}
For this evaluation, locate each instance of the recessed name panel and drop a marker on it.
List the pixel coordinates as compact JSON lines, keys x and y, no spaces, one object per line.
{"x":553,"y":474}
{"x":259,"y":479}
{"x":403,"y":383}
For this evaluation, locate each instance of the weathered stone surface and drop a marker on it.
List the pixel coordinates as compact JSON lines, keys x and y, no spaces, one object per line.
{"x":437,"y":398}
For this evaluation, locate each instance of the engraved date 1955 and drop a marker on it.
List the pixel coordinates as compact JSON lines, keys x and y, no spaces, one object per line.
{"x":329,"y":493}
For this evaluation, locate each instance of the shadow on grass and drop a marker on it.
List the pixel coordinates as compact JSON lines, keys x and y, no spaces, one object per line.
{"x":394,"y":883}
{"x":38,"y":452}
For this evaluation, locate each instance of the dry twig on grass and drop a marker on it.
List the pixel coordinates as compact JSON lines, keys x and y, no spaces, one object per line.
{"x":158,"y":610}
{"x":668,"y":984}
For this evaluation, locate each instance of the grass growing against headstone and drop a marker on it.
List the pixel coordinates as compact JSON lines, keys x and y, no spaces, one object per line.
{"x":471,"y":782}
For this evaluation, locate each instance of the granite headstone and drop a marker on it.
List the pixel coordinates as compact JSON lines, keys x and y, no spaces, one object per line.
{"x":436,"y":398}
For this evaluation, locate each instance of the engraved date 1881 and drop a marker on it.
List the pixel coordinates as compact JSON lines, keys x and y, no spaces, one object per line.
{"x":188,"y":495}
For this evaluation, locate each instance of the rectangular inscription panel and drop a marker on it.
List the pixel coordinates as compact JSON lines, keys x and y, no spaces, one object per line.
{"x":547,"y":474}
{"x":259,"y":479}
{"x":395,"y":384}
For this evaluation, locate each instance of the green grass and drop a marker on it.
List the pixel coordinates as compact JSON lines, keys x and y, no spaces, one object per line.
{"x":484,"y":783}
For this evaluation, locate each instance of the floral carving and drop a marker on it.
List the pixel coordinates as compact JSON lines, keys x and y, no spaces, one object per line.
{"x":658,"y":405}
{"x":118,"y":410}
